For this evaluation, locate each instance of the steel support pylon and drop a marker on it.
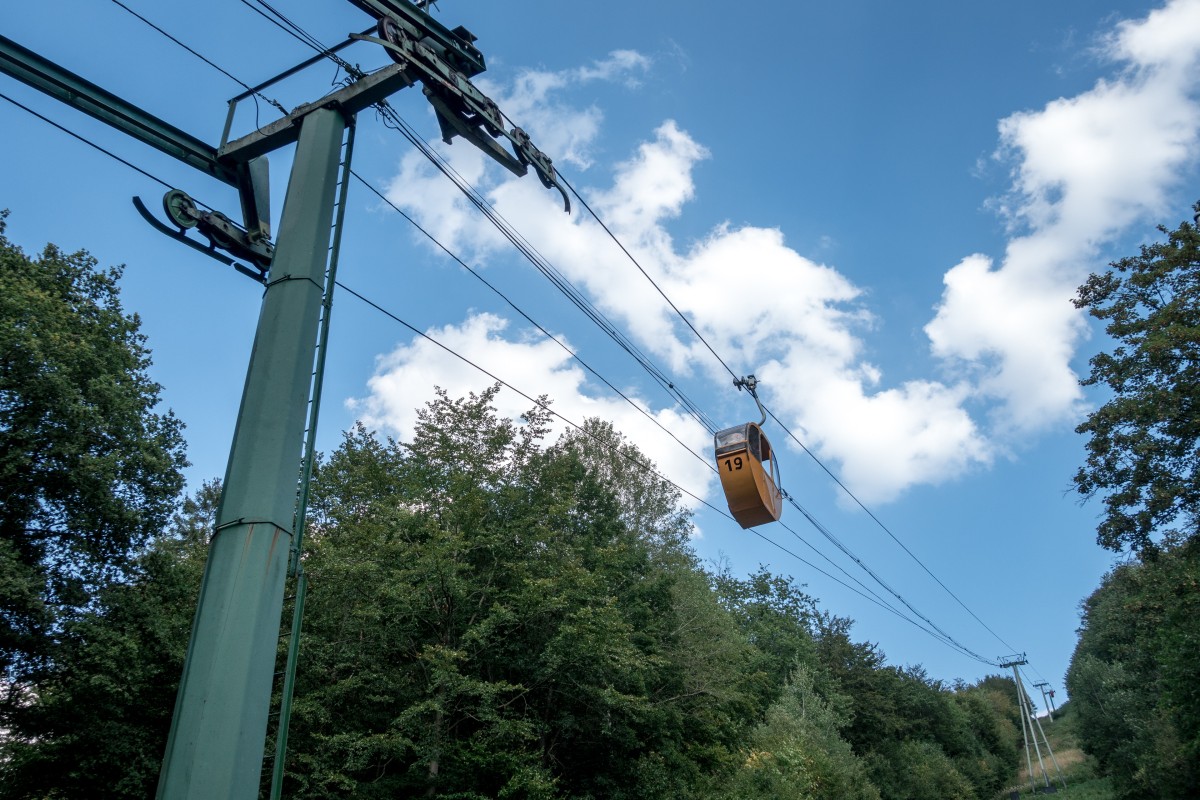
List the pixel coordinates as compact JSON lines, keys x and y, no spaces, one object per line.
{"x":219,"y":728}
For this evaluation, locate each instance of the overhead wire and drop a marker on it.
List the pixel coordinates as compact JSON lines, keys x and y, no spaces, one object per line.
{"x":829,"y":535}
{"x":646,"y":467}
{"x":879,"y":601}
{"x":885,"y":528}
{"x":256,"y":95}
{"x":543,"y":265}
{"x":939,"y":632}
{"x":284,"y":23}
{"x":646,"y":274}
{"x":522,"y":245}
{"x":583,"y":202}
{"x":549,"y":271}
{"x":573,"y":354}
{"x":483,"y":206}
{"x":823,"y":529}
{"x":559,"y":281}
{"x":86,"y":141}
{"x":699,"y":336}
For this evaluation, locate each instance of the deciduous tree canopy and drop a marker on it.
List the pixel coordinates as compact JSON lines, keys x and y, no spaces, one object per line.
{"x":492,"y":617}
{"x":1135,"y":675}
{"x":1133,"y":678}
{"x":89,"y":469}
{"x":1143,"y":449}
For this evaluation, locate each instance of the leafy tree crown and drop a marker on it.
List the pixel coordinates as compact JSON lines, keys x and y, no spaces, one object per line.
{"x":1143,"y":448}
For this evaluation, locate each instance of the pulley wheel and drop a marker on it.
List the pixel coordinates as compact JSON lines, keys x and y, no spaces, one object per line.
{"x":177,"y":204}
{"x":217,"y":234}
{"x":391,"y":33}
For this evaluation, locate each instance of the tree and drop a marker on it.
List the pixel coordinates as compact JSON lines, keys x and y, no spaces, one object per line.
{"x":484,"y":620}
{"x":1143,"y":451}
{"x":648,"y":503}
{"x":994,"y":720}
{"x":88,"y":469}
{"x":778,"y":619}
{"x":1135,"y":674}
{"x":797,"y":752}
{"x":96,"y":723}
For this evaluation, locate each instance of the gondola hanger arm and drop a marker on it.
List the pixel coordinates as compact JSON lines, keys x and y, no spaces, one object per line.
{"x":750,"y":384}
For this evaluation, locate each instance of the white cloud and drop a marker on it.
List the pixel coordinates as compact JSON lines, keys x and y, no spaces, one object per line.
{"x":558,"y":128}
{"x":889,"y":440}
{"x":758,"y":302}
{"x":1084,"y":169}
{"x":1166,"y":38}
{"x":535,"y":366}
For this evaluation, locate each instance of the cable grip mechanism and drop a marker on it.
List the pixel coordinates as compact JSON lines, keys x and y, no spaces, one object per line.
{"x":750,"y":384}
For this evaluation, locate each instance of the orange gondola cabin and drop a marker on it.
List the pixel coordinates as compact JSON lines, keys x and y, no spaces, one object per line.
{"x":749,"y":475}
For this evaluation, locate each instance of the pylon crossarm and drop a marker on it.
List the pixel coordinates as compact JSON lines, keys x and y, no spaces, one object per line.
{"x":349,"y":100}
{"x":80,"y":93}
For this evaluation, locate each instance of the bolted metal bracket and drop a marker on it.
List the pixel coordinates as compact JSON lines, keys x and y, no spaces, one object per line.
{"x":461,"y":109}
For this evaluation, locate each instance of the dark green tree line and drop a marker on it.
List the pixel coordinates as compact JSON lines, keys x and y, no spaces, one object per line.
{"x":1143,"y":445}
{"x":1133,"y":677}
{"x":491,"y":616}
{"x":89,"y":469}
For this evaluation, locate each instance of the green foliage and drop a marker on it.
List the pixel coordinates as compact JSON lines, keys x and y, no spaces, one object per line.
{"x":797,"y":752}
{"x":491,"y":618}
{"x":1142,"y":450}
{"x":776,"y":617}
{"x":915,"y":734}
{"x":916,"y":768}
{"x":88,"y":470}
{"x":95,"y":723}
{"x":648,"y":503}
{"x":1135,"y":675}
{"x":484,"y":620}
{"x":993,"y":720}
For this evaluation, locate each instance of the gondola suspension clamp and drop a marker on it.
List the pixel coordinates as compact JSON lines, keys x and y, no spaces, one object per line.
{"x":750,"y":384}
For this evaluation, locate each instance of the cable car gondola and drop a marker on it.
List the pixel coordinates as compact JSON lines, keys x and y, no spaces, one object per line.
{"x":749,"y":472}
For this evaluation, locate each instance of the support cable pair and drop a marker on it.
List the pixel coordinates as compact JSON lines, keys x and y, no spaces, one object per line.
{"x":547,"y":269}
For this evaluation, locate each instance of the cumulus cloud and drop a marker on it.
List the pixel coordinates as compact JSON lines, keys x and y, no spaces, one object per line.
{"x":800,"y":336}
{"x":1083,"y":170}
{"x":557,"y":127}
{"x":535,"y":366}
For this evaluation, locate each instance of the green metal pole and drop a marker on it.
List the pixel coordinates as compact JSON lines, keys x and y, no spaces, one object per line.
{"x":1024,"y":726}
{"x":220,"y":724}
{"x":289,"y":686}
{"x":314,"y":412}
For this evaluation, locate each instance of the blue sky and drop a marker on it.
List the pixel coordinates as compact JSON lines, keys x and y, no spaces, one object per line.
{"x":881,"y":210}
